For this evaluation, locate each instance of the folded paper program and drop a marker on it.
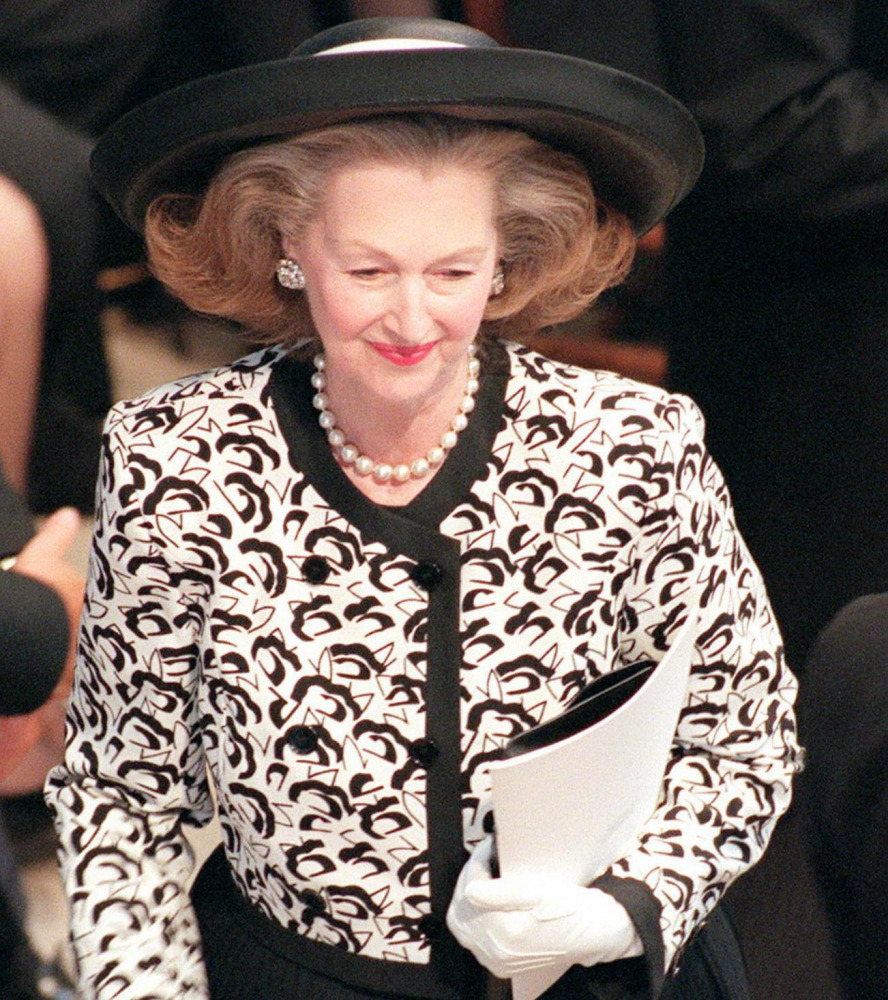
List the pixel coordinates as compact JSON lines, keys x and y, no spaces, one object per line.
{"x":600,"y":767}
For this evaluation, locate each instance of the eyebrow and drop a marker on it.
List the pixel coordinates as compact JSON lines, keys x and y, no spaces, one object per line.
{"x":344,"y":245}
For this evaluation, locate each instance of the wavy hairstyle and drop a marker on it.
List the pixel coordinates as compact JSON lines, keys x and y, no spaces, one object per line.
{"x":559,"y":246}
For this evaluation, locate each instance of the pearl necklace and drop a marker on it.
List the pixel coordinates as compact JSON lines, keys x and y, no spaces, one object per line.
{"x":383,"y":472}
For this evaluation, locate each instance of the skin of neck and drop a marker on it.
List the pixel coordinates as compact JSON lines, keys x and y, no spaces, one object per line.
{"x":401,"y":430}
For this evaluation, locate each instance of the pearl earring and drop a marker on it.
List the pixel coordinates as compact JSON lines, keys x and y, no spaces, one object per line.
{"x":290,"y":275}
{"x":498,"y":282}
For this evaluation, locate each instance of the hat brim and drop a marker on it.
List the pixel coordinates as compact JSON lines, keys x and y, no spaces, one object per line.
{"x":643,"y":149}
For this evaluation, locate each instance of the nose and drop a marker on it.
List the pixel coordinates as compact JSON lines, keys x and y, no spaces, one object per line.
{"x":409,"y":318}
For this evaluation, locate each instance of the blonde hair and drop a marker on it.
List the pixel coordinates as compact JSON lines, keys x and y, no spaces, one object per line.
{"x":559,"y":246}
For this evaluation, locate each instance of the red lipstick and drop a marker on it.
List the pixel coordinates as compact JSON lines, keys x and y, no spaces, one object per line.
{"x":403,"y":355}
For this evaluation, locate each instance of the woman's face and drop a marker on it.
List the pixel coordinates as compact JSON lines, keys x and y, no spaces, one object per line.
{"x":398,"y":267}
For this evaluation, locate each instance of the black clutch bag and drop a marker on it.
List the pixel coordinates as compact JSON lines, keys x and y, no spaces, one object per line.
{"x":595,"y":702}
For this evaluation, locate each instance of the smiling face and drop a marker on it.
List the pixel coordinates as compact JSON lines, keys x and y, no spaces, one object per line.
{"x":398,"y":267}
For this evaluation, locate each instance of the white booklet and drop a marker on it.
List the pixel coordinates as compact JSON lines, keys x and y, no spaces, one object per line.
{"x":572,"y":807}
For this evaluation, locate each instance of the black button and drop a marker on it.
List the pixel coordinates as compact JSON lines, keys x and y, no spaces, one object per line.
{"x":431,"y":927}
{"x":424,"y":751}
{"x":315,"y":569}
{"x":313,"y":900}
{"x":427,"y":574}
{"x":487,"y":824}
{"x":303,"y":739}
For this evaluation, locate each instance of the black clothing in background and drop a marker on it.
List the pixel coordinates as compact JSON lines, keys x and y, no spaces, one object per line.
{"x":68,"y":68}
{"x":776,"y":298}
{"x":780,"y":286}
{"x":843,"y":712}
{"x":33,"y":643}
{"x":16,"y":526}
{"x":33,"y":646}
{"x":33,"y":624}
{"x":776,"y":267}
{"x":18,"y":963}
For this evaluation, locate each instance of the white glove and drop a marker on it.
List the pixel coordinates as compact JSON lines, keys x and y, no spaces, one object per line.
{"x":517,"y":923}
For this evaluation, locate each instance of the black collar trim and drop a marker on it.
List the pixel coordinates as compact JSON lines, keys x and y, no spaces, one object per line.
{"x":291,"y":393}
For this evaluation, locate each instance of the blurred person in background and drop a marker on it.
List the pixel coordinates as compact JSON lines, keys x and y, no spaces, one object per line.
{"x":776,"y":314}
{"x":776,"y":267}
{"x":40,"y":600}
{"x":844,"y":711}
{"x":68,"y":68}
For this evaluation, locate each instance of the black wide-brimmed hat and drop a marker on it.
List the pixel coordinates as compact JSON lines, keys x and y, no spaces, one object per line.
{"x":642,"y":148}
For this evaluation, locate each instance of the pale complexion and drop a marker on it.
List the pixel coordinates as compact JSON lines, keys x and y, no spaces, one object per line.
{"x":398,"y":268}
{"x":24,"y":281}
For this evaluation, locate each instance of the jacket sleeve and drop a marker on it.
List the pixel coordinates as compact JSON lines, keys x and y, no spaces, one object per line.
{"x":791,"y":101}
{"x":729,"y":775}
{"x":133,"y":771}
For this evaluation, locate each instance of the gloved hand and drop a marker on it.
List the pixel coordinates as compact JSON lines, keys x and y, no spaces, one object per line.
{"x":515,"y":924}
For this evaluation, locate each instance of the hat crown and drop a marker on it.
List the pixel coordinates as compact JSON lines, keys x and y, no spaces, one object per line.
{"x":375,"y":34}
{"x":642,"y":149}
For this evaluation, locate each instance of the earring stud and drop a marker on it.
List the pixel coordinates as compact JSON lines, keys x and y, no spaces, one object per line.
{"x":497,"y":282}
{"x":290,"y":275}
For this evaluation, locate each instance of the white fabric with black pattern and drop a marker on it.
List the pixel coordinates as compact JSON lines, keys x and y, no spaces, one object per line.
{"x":343,"y":672}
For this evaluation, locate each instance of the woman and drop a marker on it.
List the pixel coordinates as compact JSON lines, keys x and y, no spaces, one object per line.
{"x":333,"y":579}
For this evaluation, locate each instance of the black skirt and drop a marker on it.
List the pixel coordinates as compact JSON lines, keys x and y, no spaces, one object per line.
{"x":249,"y":957}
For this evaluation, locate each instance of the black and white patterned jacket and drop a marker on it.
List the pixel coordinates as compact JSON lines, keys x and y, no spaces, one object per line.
{"x":343,"y":672}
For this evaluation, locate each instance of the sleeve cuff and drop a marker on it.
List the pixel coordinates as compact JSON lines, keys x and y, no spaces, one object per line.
{"x":644,"y":912}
